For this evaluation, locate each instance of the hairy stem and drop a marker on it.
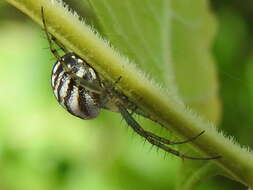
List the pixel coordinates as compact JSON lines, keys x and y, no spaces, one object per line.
{"x":165,"y":107}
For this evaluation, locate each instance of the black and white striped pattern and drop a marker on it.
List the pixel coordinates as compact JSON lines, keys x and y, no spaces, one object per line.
{"x":75,"y":99}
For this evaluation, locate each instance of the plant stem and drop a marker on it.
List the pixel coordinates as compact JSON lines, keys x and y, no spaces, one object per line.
{"x":164,"y":107}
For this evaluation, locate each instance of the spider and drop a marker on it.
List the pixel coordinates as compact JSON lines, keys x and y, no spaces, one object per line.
{"x":80,"y":90}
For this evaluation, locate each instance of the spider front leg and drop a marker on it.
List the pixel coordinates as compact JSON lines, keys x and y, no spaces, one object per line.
{"x":156,"y":140}
{"x":50,"y":37}
{"x":83,"y":83}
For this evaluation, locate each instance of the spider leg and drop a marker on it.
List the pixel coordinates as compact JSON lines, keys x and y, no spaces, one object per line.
{"x":87,"y":84}
{"x":164,"y":140}
{"x":153,"y":139}
{"x":62,"y":47}
{"x":84,"y":83}
{"x":168,"y":142}
{"x":49,"y":38}
{"x":110,"y":88}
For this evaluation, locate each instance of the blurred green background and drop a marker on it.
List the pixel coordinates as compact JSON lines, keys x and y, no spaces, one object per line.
{"x":44,"y":147}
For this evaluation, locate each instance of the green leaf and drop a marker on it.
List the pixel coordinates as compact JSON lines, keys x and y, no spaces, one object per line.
{"x":171,"y":41}
{"x":141,"y":32}
{"x":164,"y":107}
{"x":193,"y":29}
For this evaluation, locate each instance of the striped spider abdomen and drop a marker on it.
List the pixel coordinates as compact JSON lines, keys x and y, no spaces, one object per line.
{"x":76,"y":99}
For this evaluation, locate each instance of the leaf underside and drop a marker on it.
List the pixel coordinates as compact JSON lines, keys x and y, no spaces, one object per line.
{"x":169,"y":40}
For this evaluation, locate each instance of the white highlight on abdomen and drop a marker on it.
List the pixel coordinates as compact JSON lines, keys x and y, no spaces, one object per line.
{"x":57,"y":85}
{"x":64,"y":89}
{"x":73,"y":102}
{"x":81,"y":72}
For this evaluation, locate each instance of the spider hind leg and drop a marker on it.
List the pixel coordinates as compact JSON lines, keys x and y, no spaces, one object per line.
{"x":159,"y":141}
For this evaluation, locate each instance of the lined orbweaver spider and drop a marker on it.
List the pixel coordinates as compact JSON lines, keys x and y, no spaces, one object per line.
{"x":80,"y":90}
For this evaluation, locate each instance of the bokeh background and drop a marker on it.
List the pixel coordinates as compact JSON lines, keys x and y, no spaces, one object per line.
{"x":44,"y":147}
